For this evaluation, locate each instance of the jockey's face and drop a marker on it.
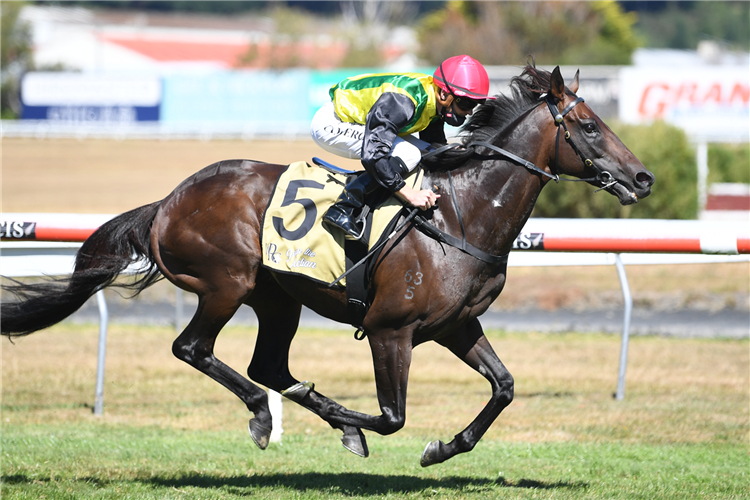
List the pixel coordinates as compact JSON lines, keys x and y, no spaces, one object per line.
{"x":459,"y":105}
{"x":465,"y":105}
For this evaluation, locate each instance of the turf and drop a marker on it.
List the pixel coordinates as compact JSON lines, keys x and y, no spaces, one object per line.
{"x":103,"y":461}
{"x":170,"y":432}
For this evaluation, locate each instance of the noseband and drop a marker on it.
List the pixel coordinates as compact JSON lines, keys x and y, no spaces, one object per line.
{"x":602,"y":176}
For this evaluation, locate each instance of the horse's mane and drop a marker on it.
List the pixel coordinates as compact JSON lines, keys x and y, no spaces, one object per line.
{"x":491,"y":118}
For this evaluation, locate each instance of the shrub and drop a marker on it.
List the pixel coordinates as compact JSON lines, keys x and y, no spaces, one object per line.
{"x":663,"y":149}
{"x":729,"y":163}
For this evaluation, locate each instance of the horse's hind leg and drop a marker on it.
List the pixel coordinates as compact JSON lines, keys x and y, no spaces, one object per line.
{"x":278,"y":318}
{"x":472,"y":347}
{"x":195,"y":346}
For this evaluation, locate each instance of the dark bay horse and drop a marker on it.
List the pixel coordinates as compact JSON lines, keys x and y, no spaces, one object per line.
{"x":204,"y":238}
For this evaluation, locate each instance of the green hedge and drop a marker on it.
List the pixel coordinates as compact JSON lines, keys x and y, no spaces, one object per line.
{"x":729,"y":163}
{"x":663,"y":149}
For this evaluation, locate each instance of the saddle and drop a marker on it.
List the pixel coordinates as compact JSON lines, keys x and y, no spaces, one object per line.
{"x":295,"y":242}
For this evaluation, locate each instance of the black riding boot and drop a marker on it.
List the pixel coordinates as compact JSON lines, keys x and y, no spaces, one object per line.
{"x":342,"y":214}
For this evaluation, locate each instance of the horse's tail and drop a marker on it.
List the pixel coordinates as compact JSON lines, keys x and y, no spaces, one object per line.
{"x":112,"y":248}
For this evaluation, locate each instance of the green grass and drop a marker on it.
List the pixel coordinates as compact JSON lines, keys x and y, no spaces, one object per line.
{"x":94,"y":460}
{"x":168,"y":431}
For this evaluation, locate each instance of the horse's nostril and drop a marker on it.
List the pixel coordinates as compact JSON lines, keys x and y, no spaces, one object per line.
{"x":644,"y":178}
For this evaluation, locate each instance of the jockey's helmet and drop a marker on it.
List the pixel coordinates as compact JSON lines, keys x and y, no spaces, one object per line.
{"x":463,"y":76}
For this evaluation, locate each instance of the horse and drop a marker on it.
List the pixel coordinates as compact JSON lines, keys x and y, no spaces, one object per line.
{"x":204,"y":238}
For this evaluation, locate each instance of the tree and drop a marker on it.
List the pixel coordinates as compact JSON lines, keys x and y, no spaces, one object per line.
{"x":681,"y":25}
{"x":507,"y":32}
{"x":15,"y":57}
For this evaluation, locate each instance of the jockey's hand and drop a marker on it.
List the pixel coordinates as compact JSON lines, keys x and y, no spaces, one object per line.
{"x":423,"y":199}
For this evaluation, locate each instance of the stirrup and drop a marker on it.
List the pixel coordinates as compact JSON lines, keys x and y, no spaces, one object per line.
{"x":361,"y":233}
{"x":349,"y":236}
{"x":361,"y":219}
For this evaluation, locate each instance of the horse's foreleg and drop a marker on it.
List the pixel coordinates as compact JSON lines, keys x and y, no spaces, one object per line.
{"x":195,"y":346}
{"x":391,"y":355}
{"x":472,"y":347}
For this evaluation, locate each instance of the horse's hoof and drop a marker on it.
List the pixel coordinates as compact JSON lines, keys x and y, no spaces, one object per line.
{"x":431,"y":454}
{"x":261,"y":434}
{"x":356,"y":443}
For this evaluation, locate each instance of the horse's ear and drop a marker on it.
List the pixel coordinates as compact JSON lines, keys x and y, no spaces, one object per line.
{"x":574,"y":84}
{"x":557,"y":84}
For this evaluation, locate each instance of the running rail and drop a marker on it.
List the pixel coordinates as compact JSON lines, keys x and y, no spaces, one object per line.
{"x":552,"y":235}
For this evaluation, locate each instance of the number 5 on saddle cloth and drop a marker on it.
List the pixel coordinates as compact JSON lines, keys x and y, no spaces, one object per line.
{"x":295,"y":242}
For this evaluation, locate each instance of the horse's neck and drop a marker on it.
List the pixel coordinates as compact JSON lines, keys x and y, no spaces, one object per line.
{"x":496,"y":197}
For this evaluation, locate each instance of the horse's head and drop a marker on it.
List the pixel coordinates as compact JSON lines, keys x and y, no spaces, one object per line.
{"x":587,"y":148}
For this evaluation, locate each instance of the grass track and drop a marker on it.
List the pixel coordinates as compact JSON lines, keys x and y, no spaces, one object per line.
{"x":102,"y":461}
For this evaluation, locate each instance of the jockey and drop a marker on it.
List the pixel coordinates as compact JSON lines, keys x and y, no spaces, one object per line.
{"x":372,"y":116}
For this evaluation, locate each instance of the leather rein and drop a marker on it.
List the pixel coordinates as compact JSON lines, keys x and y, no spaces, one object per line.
{"x":602,"y":176}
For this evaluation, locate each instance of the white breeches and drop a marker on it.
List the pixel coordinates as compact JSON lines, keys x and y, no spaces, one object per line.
{"x":345,"y":139}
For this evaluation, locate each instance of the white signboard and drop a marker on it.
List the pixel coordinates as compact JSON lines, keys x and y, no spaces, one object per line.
{"x":69,"y":89}
{"x":712,"y":102}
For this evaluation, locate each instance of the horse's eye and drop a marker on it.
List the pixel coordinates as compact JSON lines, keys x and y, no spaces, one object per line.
{"x":589,"y":128}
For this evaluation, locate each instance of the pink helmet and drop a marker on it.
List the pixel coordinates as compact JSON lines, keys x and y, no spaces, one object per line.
{"x":463,"y":76}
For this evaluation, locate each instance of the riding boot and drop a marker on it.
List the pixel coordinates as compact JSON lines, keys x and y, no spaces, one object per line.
{"x":342,"y":214}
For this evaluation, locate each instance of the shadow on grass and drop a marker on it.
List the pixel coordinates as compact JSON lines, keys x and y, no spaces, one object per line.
{"x":343,"y":483}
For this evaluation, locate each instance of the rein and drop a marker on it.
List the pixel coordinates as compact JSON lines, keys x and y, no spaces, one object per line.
{"x":602,"y":176}
{"x":438,"y":234}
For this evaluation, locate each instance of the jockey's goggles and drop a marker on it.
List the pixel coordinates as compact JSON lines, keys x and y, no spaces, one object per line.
{"x":466,"y":104}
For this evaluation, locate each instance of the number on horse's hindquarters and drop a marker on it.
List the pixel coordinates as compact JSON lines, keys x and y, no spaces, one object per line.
{"x":413,"y":281}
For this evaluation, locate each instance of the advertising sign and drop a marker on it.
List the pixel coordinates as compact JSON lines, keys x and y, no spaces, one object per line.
{"x":82,"y":98}
{"x":709,"y":102}
{"x":263,"y":100}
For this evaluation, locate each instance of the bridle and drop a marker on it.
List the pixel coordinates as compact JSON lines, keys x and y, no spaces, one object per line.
{"x":602,"y":176}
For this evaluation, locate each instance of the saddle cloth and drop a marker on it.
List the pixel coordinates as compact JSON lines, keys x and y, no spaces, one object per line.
{"x":294,"y":240}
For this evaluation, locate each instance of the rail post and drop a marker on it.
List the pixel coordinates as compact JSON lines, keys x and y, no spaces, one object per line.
{"x":277,"y":409}
{"x":620,"y":394}
{"x":103,"y":320}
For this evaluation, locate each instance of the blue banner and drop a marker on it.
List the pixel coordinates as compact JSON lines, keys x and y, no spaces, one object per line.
{"x":90,"y":98}
{"x":247,"y":99}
